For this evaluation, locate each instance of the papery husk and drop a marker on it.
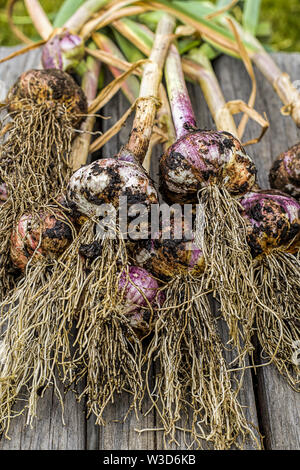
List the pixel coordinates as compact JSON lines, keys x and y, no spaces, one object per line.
{"x":222,"y":236}
{"x":193,"y":391}
{"x":277,"y":276}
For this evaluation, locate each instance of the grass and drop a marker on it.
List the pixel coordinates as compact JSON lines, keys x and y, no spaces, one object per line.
{"x":283,"y":16}
{"x":22,"y":20}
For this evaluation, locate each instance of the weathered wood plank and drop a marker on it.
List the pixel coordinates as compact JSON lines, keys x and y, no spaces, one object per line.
{"x":10,"y":70}
{"x":246,"y":395}
{"x":278,"y":405}
{"x":122,"y":435}
{"x":48,"y":431}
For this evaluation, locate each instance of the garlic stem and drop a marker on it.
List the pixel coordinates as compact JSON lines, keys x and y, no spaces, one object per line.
{"x":81,"y":144}
{"x":181,"y":106}
{"x":201,"y":66}
{"x":149,"y":91}
{"x":83,"y":14}
{"x":281,"y":82}
{"x":39,"y":18}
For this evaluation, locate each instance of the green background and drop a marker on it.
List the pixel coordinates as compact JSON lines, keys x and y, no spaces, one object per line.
{"x":281,"y":18}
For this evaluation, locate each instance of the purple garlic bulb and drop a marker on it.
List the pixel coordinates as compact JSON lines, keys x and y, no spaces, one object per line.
{"x":201,"y":158}
{"x":285,"y":172}
{"x":64,"y":52}
{"x":273,"y":221}
{"x":140,"y":289}
{"x":104,"y":182}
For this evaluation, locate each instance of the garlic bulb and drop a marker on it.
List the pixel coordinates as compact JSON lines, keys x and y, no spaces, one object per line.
{"x":285,"y":172}
{"x":273,"y":221}
{"x":37,"y":236}
{"x":201,"y":158}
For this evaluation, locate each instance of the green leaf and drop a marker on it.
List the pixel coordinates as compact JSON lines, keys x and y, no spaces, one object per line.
{"x":186,"y":44}
{"x":251,"y":15}
{"x":138,"y":31}
{"x":68,"y":8}
{"x":201,"y":9}
{"x":209,"y":51}
{"x":264,"y":29}
{"x":131,"y":52}
{"x":151,"y":19}
{"x":81,"y":69}
{"x":217,"y":26}
{"x":223,"y":3}
{"x":198,"y":56}
{"x":268,"y":48}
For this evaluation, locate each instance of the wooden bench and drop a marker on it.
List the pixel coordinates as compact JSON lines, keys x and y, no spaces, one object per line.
{"x":269,"y":403}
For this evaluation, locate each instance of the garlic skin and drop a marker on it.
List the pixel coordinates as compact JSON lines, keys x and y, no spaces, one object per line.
{"x":273,"y":222}
{"x":285,"y":172}
{"x":134,"y":282}
{"x":167,"y":256}
{"x":54,"y":89}
{"x":64,"y":52}
{"x":201,"y":158}
{"x":140,"y":289}
{"x":175,"y":257}
{"x":38,"y":236}
{"x":104,"y":182}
